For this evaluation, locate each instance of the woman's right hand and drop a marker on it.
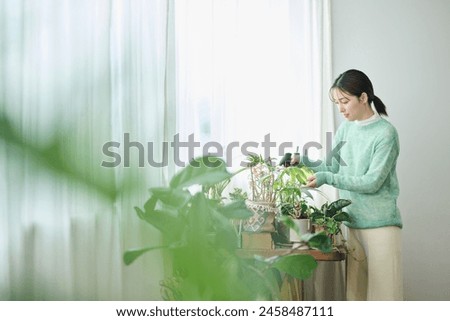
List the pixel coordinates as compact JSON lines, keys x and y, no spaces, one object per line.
{"x":312,"y":181}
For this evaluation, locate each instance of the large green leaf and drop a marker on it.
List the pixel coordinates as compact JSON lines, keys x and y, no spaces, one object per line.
{"x":307,"y":171}
{"x":173,"y":197}
{"x":342,"y":217}
{"x":199,"y":217}
{"x":306,"y":189}
{"x":291,"y":190}
{"x":315,"y":214}
{"x":338,"y":205}
{"x":202,"y":171}
{"x":300,"y":266}
{"x":150,"y":204}
{"x":319,"y":241}
{"x":131,"y":255}
{"x":237,"y":210}
{"x":301,"y":176}
{"x":164,"y":220}
{"x":225,"y":235}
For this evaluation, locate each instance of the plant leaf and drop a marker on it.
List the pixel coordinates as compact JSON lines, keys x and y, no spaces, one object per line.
{"x":206,"y":170}
{"x":316,"y":215}
{"x":236,"y":209}
{"x":199,"y":217}
{"x":306,"y":188}
{"x":342,"y":217}
{"x":164,"y":220}
{"x":339,"y":204}
{"x":318,"y":241}
{"x":300,"y":266}
{"x":172,"y":197}
{"x":150,"y":205}
{"x":307,"y":193}
{"x":131,"y":255}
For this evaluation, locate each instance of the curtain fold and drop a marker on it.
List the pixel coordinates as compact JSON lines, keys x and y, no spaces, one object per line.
{"x":328,"y":280}
{"x":79,"y":74}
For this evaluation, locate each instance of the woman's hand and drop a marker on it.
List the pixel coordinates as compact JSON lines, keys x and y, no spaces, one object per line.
{"x":312,"y":181}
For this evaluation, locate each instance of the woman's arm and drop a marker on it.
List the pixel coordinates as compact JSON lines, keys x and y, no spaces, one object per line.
{"x":329,"y":163}
{"x":382,"y":162}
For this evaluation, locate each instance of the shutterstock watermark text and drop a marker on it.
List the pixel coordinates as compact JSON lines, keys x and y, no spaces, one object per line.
{"x":119,"y":153}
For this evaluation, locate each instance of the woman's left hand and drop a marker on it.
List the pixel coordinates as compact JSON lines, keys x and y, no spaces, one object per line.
{"x":312,"y":181}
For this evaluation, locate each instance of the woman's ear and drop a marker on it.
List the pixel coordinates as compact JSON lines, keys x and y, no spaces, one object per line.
{"x":363,"y":98}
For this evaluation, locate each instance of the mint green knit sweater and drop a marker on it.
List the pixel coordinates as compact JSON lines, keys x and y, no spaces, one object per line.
{"x":366,"y":174}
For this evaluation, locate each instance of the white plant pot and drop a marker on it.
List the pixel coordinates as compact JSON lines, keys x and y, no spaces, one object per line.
{"x":304,"y":227}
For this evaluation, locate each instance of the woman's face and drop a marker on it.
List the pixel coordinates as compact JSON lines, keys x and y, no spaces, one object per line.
{"x":351,"y":107}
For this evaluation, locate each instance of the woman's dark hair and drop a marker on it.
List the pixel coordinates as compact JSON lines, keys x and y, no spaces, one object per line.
{"x":355,"y":82}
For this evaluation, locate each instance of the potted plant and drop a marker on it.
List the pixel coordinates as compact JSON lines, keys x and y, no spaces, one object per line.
{"x":300,"y":218}
{"x":329,"y":218}
{"x":292,"y":203}
{"x":262,"y":195}
{"x":261,"y":179}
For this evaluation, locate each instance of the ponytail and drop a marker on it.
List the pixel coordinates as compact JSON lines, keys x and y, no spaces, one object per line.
{"x":379,"y":106}
{"x":355,"y":82}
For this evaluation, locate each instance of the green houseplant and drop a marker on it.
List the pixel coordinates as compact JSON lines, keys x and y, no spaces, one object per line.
{"x":330,"y":216}
{"x":262,"y":198}
{"x":292,"y":204}
{"x":262,"y":178}
{"x":200,"y":238}
{"x":283,"y":188}
{"x":288,"y":187}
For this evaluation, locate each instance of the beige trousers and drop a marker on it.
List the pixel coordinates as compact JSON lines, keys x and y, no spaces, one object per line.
{"x":374,"y":265}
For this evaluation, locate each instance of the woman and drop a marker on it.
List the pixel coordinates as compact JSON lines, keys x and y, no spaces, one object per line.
{"x":366,"y":174}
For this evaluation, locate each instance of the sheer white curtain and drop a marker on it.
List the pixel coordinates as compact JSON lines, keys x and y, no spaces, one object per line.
{"x":85,"y":73}
{"x":226,"y":71}
{"x":248,"y":68}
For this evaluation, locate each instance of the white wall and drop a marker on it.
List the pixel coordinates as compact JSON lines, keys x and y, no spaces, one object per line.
{"x":404,"y":47}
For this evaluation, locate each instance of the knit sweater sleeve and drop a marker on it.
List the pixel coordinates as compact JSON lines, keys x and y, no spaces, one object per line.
{"x":330,"y":163}
{"x":381,"y":161}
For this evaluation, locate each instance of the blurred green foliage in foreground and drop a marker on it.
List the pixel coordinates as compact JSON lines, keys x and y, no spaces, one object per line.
{"x":201,"y":239}
{"x":54,"y":157}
